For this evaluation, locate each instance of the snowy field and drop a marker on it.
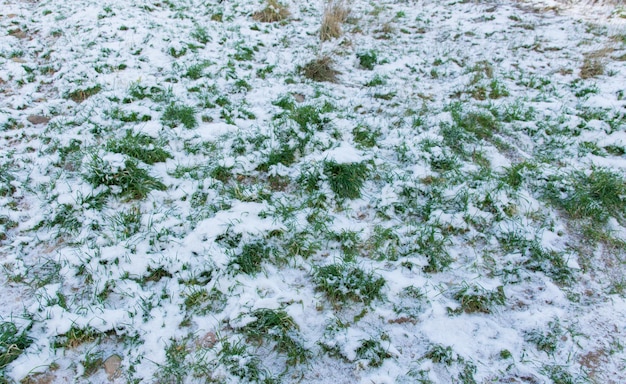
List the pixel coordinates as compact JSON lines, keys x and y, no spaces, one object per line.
{"x":376,"y":192}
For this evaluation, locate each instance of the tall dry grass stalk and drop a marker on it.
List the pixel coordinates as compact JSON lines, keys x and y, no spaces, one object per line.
{"x":335,"y":13}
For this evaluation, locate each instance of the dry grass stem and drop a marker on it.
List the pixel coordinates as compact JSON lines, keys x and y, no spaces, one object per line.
{"x":335,"y":13}
{"x":273,"y":12}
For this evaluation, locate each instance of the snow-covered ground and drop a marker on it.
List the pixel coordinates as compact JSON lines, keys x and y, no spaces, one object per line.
{"x":179,"y":202}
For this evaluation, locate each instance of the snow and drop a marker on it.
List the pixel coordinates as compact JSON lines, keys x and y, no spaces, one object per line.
{"x":74,"y":260}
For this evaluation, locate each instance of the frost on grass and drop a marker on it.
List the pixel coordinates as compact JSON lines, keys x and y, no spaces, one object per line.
{"x":278,"y":192}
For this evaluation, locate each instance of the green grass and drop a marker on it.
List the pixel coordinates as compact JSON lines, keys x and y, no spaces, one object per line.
{"x":91,"y":363}
{"x":475,"y":299}
{"x":196,"y":71}
{"x":6,"y":179}
{"x":177,"y":114}
{"x":285,"y":155}
{"x":385,"y":96}
{"x":470,"y":179}
{"x":175,"y":368}
{"x":66,"y":219}
{"x":547,"y":341}
{"x":13,"y":343}
{"x":221,"y":173}
{"x":455,"y":138}
{"x":481,"y":124}
{"x":243,"y":53}
{"x":412,"y":301}
{"x":201,"y":34}
{"x":445,"y":163}
{"x":373,"y":352}
{"x":141,"y":147}
{"x":154,"y":275}
{"x":439,"y":354}
{"x":537,"y":258}
{"x":77,"y":336}
{"x":279,"y":327}
{"x":497,"y":89}
{"x":202,"y":301}
{"x":127,"y":223}
{"x":515,"y":175}
{"x":177,"y":52}
{"x":242,"y":364}
{"x":549,"y":262}
{"x":432,"y":243}
{"x":383,"y":244}
{"x":559,"y":375}
{"x":376,"y":81}
{"x":129,"y":117}
{"x":131,"y":182}
{"x":251,"y":258}
{"x":5,"y":225}
{"x":349,"y":243}
{"x":346,"y":180}
{"x":309,"y":117}
{"x":141,"y":92}
{"x":595,"y":195}
{"x":367,"y":59}
{"x":342,"y":283}
{"x":517,"y":111}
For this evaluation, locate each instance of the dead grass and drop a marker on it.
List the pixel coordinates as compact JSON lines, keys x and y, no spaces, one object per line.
{"x":321,"y":69}
{"x":600,"y":53}
{"x":385,"y":31}
{"x":594,"y":362}
{"x":335,"y":13}
{"x":273,"y":12}
{"x":594,"y":62}
{"x":592,"y":67}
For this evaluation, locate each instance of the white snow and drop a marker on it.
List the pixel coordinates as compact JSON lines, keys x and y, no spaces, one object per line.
{"x":152,"y":275}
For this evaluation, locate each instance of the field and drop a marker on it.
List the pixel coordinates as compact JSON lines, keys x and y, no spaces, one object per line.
{"x":255,"y":191}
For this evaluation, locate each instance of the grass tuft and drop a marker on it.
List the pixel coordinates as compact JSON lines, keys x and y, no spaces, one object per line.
{"x":367,"y":59}
{"x":547,"y":341}
{"x":80,"y":95}
{"x":273,"y":12}
{"x":475,"y":299}
{"x":140,"y":146}
{"x":595,"y":195}
{"x":344,"y":282}
{"x":279,"y":327}
{"x":365,"y":136}
{"x":538,"y":259}
{"x":240,"y":363}
{"x":432,"y":243}
{"x":6,"y":178}
{"x":346,"y":180}
{"x":592,"y":67}
{"x":202,"y":301}
{"x":335,"y":13}
{"x":251,"y":257}
{"x":373,"y":352}
{"x":12,"y":343}
{"x":130,"y":181}
{"x":179,"y":114}
{"x":439,"y":354}
{"x":76,"y":336}
{"x":321,"y":69}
